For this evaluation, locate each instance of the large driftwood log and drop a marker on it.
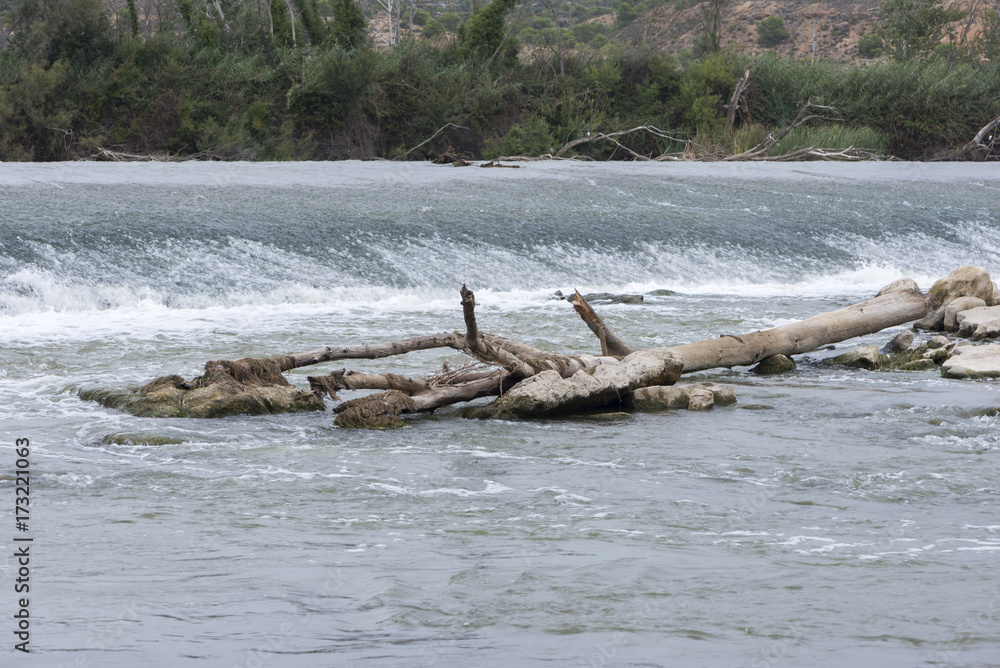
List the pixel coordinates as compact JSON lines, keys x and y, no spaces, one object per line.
{"x":868,"y":317}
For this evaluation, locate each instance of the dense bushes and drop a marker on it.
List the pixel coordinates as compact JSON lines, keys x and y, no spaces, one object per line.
{"x":64,"y":92}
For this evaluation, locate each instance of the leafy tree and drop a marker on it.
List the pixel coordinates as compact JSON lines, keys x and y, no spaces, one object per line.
{"x":771,"y":31}
{"x":585,"y":32}
{"x":914,"y":28}
{"x":703,"y":87}
{"x":421,"y":17}
{"x":626,"y":15}
{"x":350,"y":28}
{"x":870,"y":46}
{"x":450,"y":21}
{"x":991,"y":33}
{"x":78,"y":31}
{"x":432,"y":29}
{"x":315,"y":28}
{"x":483,"y":34}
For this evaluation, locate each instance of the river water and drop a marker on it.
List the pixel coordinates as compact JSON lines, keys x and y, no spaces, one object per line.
{"x":855,"y":519}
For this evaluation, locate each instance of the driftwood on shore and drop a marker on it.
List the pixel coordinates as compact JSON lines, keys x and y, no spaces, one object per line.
{"x":525,"y":381}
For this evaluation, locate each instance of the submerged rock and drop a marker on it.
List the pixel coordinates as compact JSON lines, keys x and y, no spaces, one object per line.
{"x":973,"y":362}
{"x":124,"y":438}
{"x":966,"y":281}
{"x":774,"y":365}
{"x":696,"y":396}
{"x":609,"y":298}
{"x":601,"y":297}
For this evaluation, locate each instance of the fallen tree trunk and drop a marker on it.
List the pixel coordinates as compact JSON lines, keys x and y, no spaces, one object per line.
{"x":868,"y":317}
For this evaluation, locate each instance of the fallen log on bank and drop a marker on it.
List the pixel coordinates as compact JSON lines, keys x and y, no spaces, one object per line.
{"x":527,"y":382}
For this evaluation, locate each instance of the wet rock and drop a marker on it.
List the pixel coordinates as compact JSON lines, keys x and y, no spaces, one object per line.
{"x":866,"y":357}
{"x":723,"y":395}
{"x":955,"y":307}
{"x":380,"y":410}
{"x":227,"y":388}
{"x":938,"y":342}
{"x":660,"y":396}
{"x":700,"y":398}
{"x":973,"y":362}
{"x":602,"y":297}
{"x":610,"y":298}
{"x":774,"y":365}
{"x":124,"y":438}
{"x":695,"y":396}
{"x":937,"y":355}
{"x":661,"y":293}
{"x":617,"y":416}
{"x":966,"y":281}
{"x":900,"y":343}
{"x":933,"y":321}
{"x":979,"y":323}
{"x":899,"y":284}
{"x":757,"y":407}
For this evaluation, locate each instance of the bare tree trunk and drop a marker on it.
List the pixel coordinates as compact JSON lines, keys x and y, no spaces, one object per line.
{"x":291,"y":18}
{"x":737,"y":99}
{"x":868,"y":317}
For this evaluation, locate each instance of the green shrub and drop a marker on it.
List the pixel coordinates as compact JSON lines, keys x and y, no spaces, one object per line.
{"x":771,"y":31}
{"x":421,"y":17}
{"x":531,"y":137}
{"x":870,"y":46}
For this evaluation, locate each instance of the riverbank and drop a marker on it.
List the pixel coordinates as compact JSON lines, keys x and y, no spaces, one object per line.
{"x":172,"y":99}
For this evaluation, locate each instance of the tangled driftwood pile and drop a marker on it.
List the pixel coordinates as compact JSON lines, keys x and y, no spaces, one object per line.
{"x":525,"y":381}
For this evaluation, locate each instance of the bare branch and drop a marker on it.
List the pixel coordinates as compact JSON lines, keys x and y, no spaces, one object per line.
{"x":431,"y":138}
{"x":610,"y":343}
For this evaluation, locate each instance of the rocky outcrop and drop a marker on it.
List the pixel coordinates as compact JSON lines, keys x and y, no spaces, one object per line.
{"x":227,"y":388}
{"x":979,"y":323}
{"x":973,"y":362}
{"x":966,"y":281}
{"x":957,"y":306}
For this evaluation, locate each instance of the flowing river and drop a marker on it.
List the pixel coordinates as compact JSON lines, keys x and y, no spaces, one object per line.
{"x":854,"y":519}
